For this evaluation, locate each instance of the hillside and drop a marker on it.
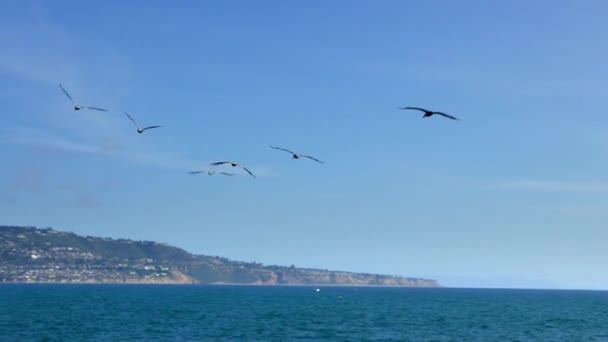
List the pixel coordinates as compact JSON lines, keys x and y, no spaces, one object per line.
{"x":30,"y":254}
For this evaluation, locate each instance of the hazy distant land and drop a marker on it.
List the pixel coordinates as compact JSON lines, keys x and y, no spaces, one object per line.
{"x":32,"y":255}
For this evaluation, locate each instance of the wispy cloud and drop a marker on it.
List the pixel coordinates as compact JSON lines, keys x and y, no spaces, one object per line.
{"x":102,"y":81}
{"x":486,"y":75}
{"x":34,"y":181}
{"x":158,"y":159}
{"x":45,"y":141}
{"x":571,"y":208}
{"x":24,"y":43}
{"x":88,"y":201}
{"x":29,"y":179}
{"x":100,"y":78}
{"x":543,"y":185}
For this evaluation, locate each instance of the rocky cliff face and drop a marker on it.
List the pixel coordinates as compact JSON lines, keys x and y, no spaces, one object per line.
{"x":51,"y":256}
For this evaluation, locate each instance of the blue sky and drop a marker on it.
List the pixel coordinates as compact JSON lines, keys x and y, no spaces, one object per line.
{"x":514,"y":194}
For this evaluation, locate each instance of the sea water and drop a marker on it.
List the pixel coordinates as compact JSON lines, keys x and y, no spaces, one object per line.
{"x":255,"y":313}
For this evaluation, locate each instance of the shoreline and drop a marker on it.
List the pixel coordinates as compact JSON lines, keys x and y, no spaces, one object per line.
{"x":218,"y":284}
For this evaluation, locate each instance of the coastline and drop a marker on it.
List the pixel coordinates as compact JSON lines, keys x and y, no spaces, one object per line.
{"x":215,"y":284}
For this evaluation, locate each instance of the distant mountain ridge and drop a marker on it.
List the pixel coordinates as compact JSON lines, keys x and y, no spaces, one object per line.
{"x":31,"y":255}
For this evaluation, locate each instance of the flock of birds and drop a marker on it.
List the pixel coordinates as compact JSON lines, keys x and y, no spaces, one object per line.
{"x":211,"y":172}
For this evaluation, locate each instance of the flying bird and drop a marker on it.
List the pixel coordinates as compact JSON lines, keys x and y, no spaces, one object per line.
{"x":211,"y":173}
{"x":296,"y":155}
{"x":428,"y":113}
{"x":139,"y":130}
{"x":76,"y":106}
{"x":233,"y":164}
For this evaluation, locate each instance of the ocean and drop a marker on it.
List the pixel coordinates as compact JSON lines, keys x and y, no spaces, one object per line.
{"x":33,"y":312}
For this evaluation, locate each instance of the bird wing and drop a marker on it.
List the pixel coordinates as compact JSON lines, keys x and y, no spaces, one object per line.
{"x":446,"y":115}
{"x":219,"y":163}
{"x":282,"y":149}
{"x":66,"y":93}
{"x":150,"y":127}
{"x":415,"y":108}
{"x":249,"y":172}
{"x":315,"y":159}
{"x":227,"y":174}
{"x":132,"y":120}
{"x":99,"y":109}
{"x":196,"y":172}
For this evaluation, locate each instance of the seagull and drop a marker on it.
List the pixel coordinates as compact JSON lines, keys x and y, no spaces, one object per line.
{"x":428,"y":113}
{"x":78,"y":107}
{"x":139,"y":130}
{"x":210,"y":173}
{"x":297,"y":155}
{"x":234,"y":164}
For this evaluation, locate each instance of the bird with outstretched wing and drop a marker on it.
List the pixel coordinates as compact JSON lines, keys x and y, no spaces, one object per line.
{"x":233,"y":164}
{"x":428,"y":113}
{"x":76,"y":106}
{"x":295,"y":155}
{"x":139,"y":130}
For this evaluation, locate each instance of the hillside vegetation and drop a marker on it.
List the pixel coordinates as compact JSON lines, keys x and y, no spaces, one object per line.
{"x":29,"y":254}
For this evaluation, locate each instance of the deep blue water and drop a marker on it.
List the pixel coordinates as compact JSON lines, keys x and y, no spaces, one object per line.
{"x":233,"y":313}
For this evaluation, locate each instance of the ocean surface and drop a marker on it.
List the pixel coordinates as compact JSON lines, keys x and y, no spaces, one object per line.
{"x":249,"y":313}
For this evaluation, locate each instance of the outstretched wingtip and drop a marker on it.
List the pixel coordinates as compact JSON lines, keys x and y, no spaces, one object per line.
{"x":446,"y":115}
{"x":282,"y":149}
{"x":249,"y":172}
{"x":66,"y":93}
{"x":98,"y":109}
{"x":315,"y":159}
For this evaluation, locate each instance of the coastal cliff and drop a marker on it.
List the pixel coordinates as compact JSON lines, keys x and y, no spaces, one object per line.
{"x":32,"y":255}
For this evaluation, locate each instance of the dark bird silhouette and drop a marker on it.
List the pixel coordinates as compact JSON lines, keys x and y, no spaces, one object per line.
{"x":140,"y":130}
{"x":76,"y":106}
{"x":428,"y":113}
{"x":211,"y":173}
{"x":233,"y":164}
{"x":296,"y":155}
